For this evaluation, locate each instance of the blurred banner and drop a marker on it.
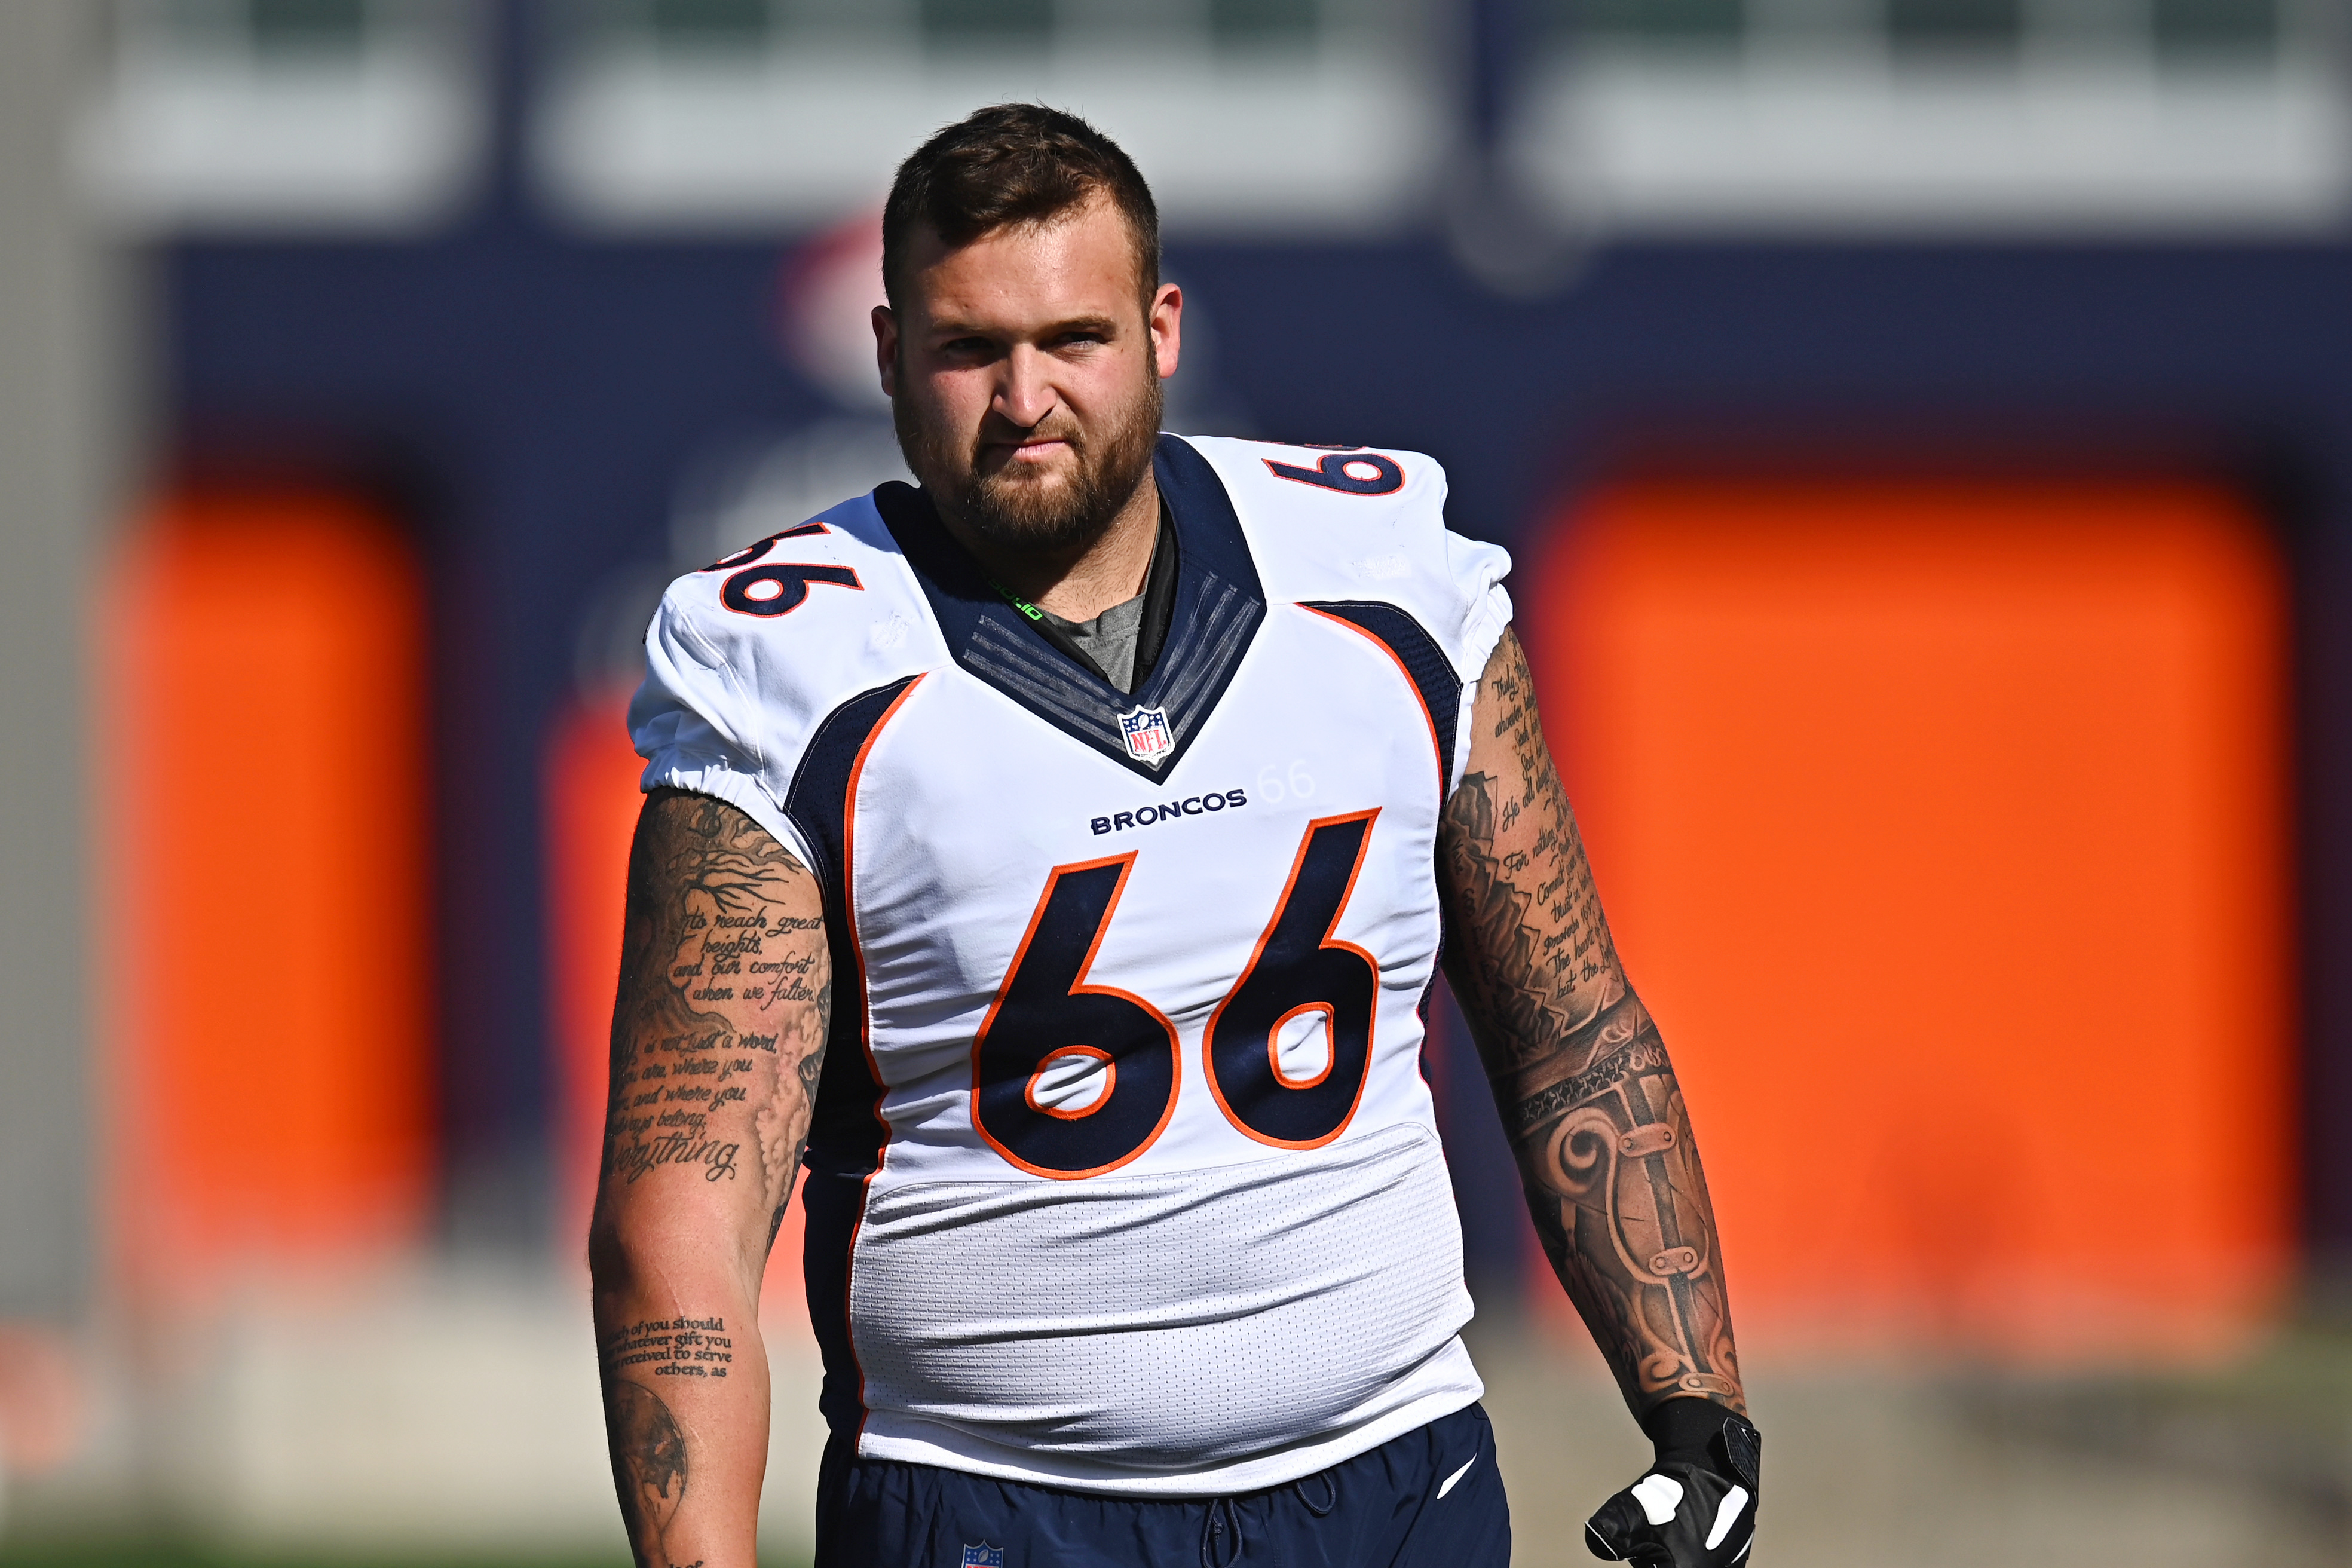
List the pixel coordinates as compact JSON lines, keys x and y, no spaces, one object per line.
{"x":1944,"y":827}
{"x":592,"y":809}
{"x":264,"y":948}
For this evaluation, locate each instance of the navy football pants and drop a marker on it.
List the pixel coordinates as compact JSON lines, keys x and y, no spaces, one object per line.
{"x":1379,"y":1509}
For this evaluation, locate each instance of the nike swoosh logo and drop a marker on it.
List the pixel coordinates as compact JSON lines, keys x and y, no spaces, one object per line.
{"x":1447,"y":1484}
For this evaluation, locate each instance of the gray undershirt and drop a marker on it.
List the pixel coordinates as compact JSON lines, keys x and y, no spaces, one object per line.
{"x":1108,"y":639}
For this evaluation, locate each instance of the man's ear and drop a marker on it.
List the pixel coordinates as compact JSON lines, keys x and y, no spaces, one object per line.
{"x":886,"y":348}
{"x":1167,"y":322}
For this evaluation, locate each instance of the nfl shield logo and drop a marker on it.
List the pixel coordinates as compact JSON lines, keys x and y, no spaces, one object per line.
{"x":1145,"y":729}
{"x":983,"y":1556}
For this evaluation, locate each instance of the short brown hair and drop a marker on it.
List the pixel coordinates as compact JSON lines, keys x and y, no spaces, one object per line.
{"x":1014,"y":163}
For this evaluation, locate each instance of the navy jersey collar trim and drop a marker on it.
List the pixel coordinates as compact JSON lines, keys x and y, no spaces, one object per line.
{"x":1218,"y":605}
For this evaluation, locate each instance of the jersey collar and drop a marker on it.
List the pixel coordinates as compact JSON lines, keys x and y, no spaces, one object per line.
{"x":1213,"y":616}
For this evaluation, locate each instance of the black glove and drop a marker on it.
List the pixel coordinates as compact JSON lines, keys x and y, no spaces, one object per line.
{"x":1697,"y":1505}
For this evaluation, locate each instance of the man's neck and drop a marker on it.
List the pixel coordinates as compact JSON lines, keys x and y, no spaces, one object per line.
{"x":1081,"y":583}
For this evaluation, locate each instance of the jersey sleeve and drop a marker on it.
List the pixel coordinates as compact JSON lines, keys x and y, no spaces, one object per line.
{"x":1322,"y":532}
{"x":1457,"y":592}
{"x":699,"y":726}
{"x":1475,"y":570}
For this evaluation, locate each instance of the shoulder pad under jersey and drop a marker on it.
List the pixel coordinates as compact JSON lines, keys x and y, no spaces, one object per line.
{"x":747,"y":657}
{"x":1354,"y":524}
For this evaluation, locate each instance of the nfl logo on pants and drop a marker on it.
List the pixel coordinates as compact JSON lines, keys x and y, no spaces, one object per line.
{"x":983,"y":1556}
{"x":1145,"y":729}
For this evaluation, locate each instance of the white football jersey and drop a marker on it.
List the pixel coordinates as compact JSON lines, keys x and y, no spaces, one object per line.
{"x":1124,"y":1175}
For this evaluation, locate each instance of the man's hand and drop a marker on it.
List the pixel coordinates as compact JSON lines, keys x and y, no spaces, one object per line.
{"x":1695,"y":1507}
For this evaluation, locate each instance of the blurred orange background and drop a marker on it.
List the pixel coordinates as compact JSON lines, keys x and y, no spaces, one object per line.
{"x":1944,"y":827}
{"x":265,"y":940}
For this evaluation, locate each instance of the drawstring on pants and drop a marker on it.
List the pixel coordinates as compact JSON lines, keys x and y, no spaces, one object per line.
{"x":1221,"y":1532}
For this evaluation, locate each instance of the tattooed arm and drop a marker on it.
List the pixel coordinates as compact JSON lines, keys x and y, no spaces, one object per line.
{"x":718,"y":1038}
{"x":1587,"y":1093}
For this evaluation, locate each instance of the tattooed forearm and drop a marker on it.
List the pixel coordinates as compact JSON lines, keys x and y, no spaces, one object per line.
{"x":670,"y":1347}
{"x":1643,"y":1053}
{"x":1613,"y":1182}
{"x":718,"y":1045}
{"x":1586,"y":1089}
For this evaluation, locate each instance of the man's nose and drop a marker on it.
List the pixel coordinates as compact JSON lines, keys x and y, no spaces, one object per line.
{"x":1025,"y":393}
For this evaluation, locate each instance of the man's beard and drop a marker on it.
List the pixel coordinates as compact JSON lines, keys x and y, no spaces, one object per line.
{"x":1018,"y":509}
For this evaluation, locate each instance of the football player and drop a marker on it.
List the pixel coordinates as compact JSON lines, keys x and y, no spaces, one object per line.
{"x":1044,"y":869}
